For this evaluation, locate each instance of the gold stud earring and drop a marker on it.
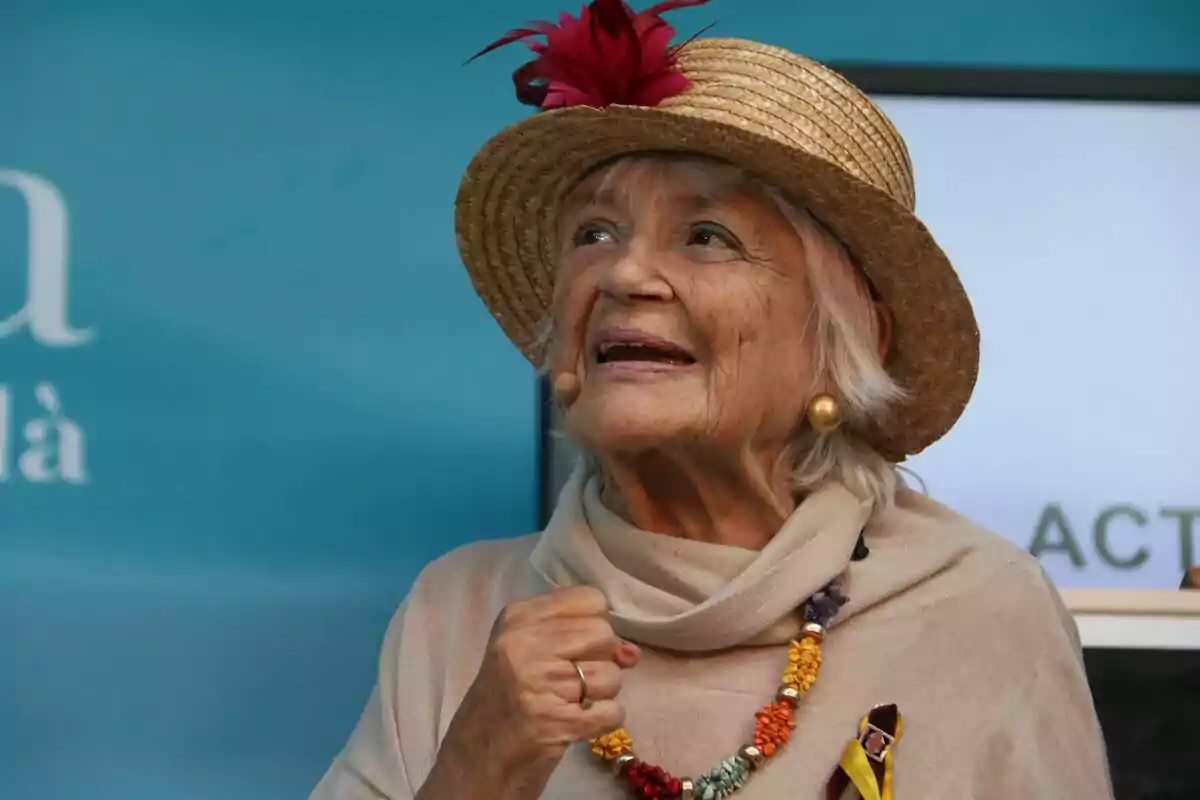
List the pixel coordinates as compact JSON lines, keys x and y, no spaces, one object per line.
{"x":823,"y":413}
{"x":566,"y":387}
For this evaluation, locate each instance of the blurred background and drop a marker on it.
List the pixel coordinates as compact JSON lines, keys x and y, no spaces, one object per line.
{"x":244,"y":380}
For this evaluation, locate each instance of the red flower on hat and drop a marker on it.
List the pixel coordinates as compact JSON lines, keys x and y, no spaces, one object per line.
{"x":608,"y":56}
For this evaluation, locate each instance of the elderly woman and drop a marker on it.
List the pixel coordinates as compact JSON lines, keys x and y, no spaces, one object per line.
{"x":712,"y":251}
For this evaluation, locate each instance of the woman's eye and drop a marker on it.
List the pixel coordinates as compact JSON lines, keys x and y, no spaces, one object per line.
{"x":710,"y":234}
{"x":594,"y":234}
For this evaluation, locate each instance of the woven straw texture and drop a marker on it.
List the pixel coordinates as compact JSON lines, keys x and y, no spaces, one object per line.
{"x":794,"y":123}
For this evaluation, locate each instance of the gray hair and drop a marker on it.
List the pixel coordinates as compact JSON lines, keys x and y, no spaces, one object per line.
{"x":844,"y":331}
{"x":847,"y":355}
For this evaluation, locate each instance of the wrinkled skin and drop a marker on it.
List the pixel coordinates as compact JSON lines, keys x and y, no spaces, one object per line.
{"x":689,"y":253}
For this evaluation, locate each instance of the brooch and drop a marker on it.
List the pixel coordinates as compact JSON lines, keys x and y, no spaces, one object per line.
{"x":866,"y":762}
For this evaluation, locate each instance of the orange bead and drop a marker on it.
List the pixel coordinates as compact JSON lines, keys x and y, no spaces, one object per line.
{"x":773,"y":728}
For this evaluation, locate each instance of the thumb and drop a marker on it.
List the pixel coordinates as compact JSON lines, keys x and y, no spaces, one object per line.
{"x":627,"y":655}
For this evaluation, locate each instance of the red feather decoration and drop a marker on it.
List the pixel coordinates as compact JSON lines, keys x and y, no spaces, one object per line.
{"x":608,"y":56}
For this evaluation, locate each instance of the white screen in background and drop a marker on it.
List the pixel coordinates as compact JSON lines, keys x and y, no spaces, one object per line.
{"x":1075,"y":227}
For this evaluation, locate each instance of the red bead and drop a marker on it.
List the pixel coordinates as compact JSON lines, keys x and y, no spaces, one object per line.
{"x":651,"y":782}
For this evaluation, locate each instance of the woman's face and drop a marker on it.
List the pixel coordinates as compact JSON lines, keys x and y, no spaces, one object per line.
{"x":682,"y":308}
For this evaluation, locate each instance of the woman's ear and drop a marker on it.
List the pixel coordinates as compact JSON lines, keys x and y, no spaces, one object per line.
{"x":884,"y":316}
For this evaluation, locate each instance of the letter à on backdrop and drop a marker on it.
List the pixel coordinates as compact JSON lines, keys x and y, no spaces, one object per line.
{"x":54,"y":446}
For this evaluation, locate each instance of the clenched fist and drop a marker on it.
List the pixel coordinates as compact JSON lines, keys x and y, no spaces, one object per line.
{"x":524,"y":708}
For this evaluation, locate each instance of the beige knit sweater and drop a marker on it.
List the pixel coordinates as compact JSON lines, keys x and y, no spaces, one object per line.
{"x":955,"y":625}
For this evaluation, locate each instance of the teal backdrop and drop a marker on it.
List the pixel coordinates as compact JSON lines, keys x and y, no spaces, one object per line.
{"x":245,"y":389}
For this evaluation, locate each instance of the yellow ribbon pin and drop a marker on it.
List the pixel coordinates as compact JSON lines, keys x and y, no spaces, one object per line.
{"x":856,"y":763}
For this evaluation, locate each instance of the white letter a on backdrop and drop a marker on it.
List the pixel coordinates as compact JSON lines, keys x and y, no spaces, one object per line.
{"x":46,"y":289}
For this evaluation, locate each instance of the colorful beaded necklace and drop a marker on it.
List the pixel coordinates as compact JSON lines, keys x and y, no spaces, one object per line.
{"x":772,"y":729}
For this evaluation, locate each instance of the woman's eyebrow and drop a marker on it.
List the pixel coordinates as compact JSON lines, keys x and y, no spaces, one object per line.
{"x":600,"y":196}
{"x":718,"y":194}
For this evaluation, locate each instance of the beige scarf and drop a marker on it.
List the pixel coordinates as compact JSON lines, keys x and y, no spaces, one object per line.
{"x":955,"y":626}
{"x":691,"y":596}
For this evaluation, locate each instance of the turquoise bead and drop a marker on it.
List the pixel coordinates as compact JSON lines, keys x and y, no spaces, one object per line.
{"x":723,"y":780}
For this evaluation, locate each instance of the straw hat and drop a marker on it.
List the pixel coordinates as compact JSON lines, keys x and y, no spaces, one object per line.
{"x":796,"y":124}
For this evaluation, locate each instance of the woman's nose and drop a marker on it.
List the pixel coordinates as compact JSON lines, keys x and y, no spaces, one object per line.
{"x":635,"y":276}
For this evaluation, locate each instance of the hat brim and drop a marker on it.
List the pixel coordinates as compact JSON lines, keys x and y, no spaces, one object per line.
{"x":507,"y":216}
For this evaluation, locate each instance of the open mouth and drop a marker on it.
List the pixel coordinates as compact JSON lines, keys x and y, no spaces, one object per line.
{"x":643,"y":351}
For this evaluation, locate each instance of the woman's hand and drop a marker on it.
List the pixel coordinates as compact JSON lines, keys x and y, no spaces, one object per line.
{"x":523,"y":710}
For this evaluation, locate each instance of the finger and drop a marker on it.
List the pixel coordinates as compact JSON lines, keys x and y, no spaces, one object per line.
{"x":627,"y":655}
{"x":602,"y":679}
{"x":559,"y":721}
{"x":602,"y":717}
{"x":571,"y":601}
{"x":578,"y":601}
{"x":529,"y":649}
{"x":580,"y":639}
